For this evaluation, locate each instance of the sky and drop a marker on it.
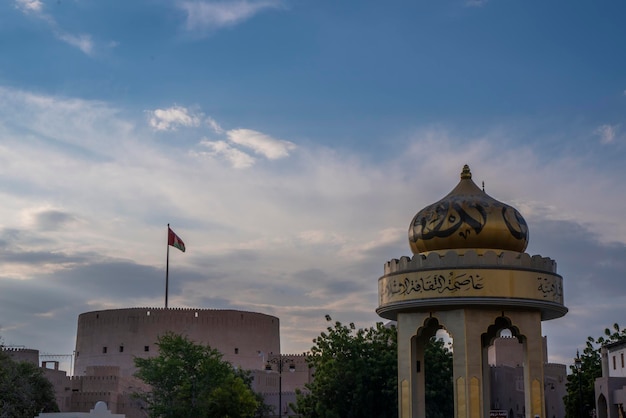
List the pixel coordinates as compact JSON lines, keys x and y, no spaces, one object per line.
{"x":289,"y":143}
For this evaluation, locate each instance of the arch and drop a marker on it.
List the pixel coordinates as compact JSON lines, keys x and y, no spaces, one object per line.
{"x":501,"y":322}
{"x":421,"y":339}
{"x":602,"y":411}
{"x":488,"y":339}
{"x":430,"y":328}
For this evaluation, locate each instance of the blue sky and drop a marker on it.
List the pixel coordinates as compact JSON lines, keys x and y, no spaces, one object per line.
{"x":289,"y":144}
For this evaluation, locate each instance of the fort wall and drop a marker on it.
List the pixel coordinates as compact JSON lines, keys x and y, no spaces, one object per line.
{"x":115,"y":337}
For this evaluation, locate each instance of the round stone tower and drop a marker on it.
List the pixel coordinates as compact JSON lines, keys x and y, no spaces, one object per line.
{"x":470,"y":276}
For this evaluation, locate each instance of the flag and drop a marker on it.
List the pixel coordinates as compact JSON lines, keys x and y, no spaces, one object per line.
{"x":174,"y":240}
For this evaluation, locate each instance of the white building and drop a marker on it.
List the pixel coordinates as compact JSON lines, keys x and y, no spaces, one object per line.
{"x":610,"y":389}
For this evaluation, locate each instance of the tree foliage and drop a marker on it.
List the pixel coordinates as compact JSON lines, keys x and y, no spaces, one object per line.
{"x":580,"y":383}
{"x":192,"y":380}
{"x":438,"y":371}
{"x":24,"y":390}
{"x":355,"y":374}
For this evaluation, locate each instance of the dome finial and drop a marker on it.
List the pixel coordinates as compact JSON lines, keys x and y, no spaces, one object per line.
{"x":466,"y":173}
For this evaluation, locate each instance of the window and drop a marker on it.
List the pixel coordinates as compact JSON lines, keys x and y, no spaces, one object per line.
{"x":104,"y":350}
{"x":614,"y":363}
{"x":622,"y":355}
{"x":146,"y":348}
{"x":121,"y":348}
{"x":236,"y":351}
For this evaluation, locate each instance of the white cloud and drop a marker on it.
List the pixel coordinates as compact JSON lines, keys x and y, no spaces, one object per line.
{"x":209,"y":15}
{"x":214,"y":125}
{"x":476,"y":3}
{"x":260,"y":143}
{"x":606,"y":133}
{"x":35,"y":8}
{"x":320,"y":237}
{"x":237,"y":158}
{"x":82,"y":42}
{"x":387,"y":236}
{"x":81,"y":182}
{"x":29,"y":6}
{"x":229,"y":148}
{"x":173,"y":117}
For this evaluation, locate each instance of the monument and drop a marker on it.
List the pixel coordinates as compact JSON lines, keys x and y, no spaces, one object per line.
{"x":469,"y":275}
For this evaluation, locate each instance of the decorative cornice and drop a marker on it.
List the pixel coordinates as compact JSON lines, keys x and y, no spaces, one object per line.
{"x":469,"y":259}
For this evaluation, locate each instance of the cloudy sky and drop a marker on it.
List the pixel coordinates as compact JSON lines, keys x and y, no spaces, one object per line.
{"x":289,"y":143}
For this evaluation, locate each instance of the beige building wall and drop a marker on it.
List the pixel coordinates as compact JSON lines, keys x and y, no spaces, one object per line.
{"x":268,"y":382}
{"x":61,"y":383}
{"x":100,"y":410}
{"x":115,"y":337}
{"x":108,"y":341}
{"x":22,"y":354}
{"x":50,"y":369}
{"x":507,"y":351}
{"x":506,"y":359}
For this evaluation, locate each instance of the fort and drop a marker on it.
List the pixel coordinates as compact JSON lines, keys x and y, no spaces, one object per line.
{"x":114,"y":337}
{"x":107,"y":341}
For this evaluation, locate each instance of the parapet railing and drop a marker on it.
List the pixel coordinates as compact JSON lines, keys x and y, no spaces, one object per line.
{"x":470,"y":258}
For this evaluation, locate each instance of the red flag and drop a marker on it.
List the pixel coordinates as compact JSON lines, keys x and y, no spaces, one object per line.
{"x":174,"y":240}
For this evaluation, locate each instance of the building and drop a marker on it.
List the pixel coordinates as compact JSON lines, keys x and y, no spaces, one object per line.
{"x":59,"y":379}
{"x":99,"y":410}
{"x":469,"y":275}
{"x":610,"y":389}
{"x":115,"y":337}
{"x":107,"y":342}
{"x":506,"y":359}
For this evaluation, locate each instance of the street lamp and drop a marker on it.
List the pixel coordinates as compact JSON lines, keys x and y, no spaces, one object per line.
{"x":280,"y":362}
{"x":578,"y":364}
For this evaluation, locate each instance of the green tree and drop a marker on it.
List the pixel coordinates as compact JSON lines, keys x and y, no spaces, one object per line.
{"x":192,"y":380}
{"x":580,"y":382}
{"x":263,"y":410}
{"x":355,"y":374}
{"x":24,"y":390}
{"x":438,"y":370}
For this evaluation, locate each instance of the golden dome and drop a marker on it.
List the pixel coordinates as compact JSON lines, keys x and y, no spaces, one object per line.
{"x":468,"y":218}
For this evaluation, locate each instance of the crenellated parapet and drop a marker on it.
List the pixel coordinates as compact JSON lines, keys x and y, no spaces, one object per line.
{"x":167,"y":313}
{"x":470,"y":258}
{"x":22,"y":354}
{"x":18,"y":350}
{"x":298,"y":360}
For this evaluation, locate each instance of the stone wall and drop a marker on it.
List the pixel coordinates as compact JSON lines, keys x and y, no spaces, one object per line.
{"x":116,"y":337}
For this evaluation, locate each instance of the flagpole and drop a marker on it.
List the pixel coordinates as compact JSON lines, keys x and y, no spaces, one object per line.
{"x":167,"y":265}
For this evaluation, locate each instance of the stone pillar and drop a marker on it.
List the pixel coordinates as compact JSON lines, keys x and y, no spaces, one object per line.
{"x":530,"y":327}
{"x":466,"y":327}
{"x":411,"y":382}
{"x":470,"y":361}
